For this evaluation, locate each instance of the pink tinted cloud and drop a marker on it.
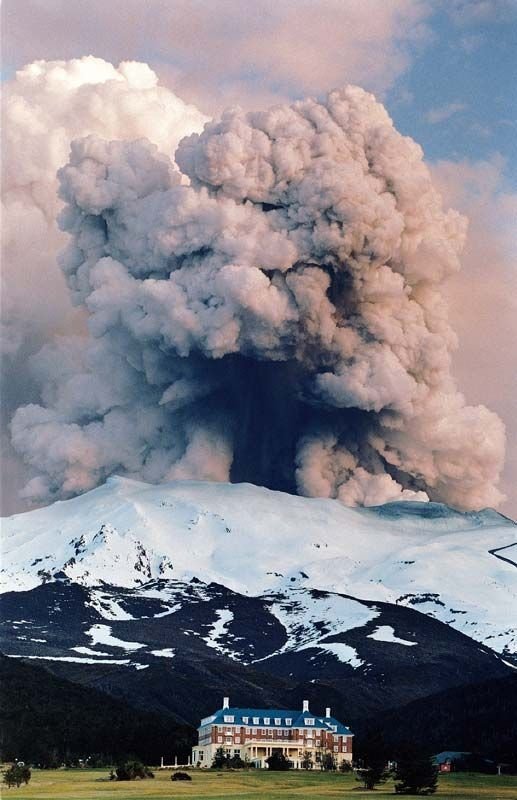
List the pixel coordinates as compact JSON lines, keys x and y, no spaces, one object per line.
{"x":483,"y":296}
{"x":216,"y":53}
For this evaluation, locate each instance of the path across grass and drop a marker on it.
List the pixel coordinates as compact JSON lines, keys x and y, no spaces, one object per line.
{"x":257,"y":785}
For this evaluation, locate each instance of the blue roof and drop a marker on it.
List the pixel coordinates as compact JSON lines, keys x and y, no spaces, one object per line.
{"x":244,"y":716}
{"x":450,"y":755}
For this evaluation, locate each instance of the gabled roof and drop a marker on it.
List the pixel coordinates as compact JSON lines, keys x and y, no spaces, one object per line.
{"x":297,"y":719}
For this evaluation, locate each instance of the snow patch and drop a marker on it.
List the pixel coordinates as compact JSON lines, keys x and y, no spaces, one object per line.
{"x":169,"y":611}
{"x":101,"y":634}
{"x":108,"y":607}
{"x":218,"y":630}
{"x":344,"y":652}
{"x":73,"y":659}
{"x":166,"y":652}
{"x":385,"y":633}
{"x":87,"y":651}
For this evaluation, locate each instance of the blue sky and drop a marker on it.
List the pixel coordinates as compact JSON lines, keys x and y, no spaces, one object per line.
{"x":471,"y":68}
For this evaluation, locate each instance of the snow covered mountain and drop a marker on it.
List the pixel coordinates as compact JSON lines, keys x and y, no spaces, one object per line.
{"x":132,"y":584}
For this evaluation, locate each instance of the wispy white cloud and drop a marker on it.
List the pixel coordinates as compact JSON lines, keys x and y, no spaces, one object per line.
{"x":440,"y":114}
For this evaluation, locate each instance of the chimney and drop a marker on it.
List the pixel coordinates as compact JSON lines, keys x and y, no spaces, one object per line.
{"x":305,"y":705}
{"x":327,"y":712}
{"x":226,"y":702}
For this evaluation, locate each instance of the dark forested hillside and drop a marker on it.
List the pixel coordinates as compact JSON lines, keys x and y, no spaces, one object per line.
{"x":479,"y":718}
{"x":48,"y":720}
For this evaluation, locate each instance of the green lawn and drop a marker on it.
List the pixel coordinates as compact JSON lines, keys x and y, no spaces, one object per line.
{"x":259,"y":785}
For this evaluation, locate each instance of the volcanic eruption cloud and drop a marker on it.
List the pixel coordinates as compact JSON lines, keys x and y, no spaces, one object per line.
{"x":269,"y":310}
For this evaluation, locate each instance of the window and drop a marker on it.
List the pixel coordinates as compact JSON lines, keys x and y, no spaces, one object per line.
{"x":201,"y":755}
{"x":229,"y":718}
{"x":288,"y":721}
{"x":245,"y":720}
{"x":309,"y":721}
{"x":266,"y":720}
{"x":237,"y":740}
{"x":336,"y":748}
{"x":277,"y":721}
{"x":336,"y":738}
{"x":219,"y":738}
{"x":263,"y":732}
{"x":236,"y":752}
{"x":270,"y":732}
{"x":248,"y":731}
{"x":256,"y":720}
{"x":254,"y":731}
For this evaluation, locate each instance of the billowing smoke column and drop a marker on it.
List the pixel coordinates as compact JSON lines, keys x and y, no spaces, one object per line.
{"x":278,"y":320}
{"x":45,"y":106}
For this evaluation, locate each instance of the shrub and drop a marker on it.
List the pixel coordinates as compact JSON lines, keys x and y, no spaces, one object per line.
{"x":277,"y":761}
{"x":181,"y":776}
{"x":131,"y":770}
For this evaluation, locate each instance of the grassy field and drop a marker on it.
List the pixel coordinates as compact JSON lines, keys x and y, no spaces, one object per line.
{"x":93,"y":785}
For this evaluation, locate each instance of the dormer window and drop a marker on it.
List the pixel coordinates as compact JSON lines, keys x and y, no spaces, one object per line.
{"x":245,"y":720}
{"x":256,"y":720}
{"x":288,"y":721}
{"x":229,"y":718}
{"x":278,"y":721}
{"x":267,"y":720}
{"x":309,"y":721}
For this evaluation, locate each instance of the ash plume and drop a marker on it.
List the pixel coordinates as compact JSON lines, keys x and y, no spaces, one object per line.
{"x":270,"y":312}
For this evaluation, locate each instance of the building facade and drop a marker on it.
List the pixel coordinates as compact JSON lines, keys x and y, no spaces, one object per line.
{"x":254,"y":734}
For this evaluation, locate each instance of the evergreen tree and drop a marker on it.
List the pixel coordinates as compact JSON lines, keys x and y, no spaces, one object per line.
{"x":372,"y":756}
{"x":328,"y":762}
{"x":16,"y":775}
{"x":416,"y":772}
{"x":220,"y":758}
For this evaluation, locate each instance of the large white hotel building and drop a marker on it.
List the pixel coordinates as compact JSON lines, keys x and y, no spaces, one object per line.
{"x":254,"y":734}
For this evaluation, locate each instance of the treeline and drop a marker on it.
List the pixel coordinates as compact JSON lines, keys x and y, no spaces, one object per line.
{"x":479,"y":718}
{"x":48,"y":721}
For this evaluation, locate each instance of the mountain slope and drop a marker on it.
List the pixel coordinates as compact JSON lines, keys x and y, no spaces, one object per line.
{"x":456,"y":567}
{"x":173,"y":596}
{"x":478,"y":718}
